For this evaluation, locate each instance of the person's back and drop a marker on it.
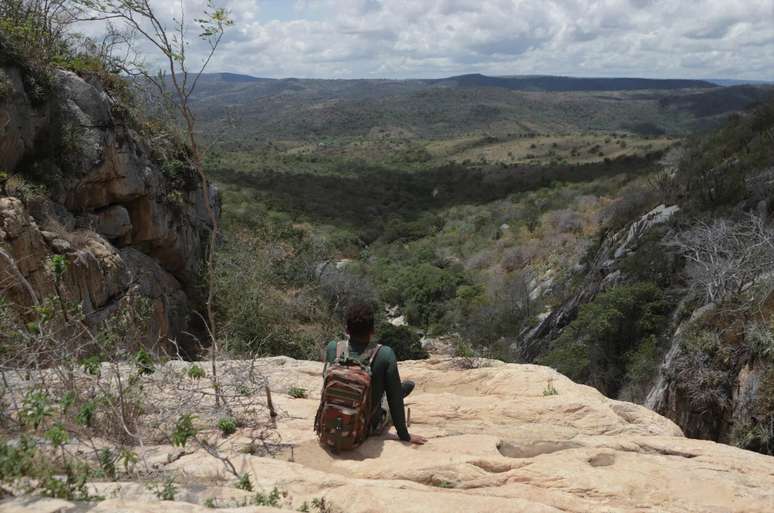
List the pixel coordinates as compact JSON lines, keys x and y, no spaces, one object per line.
{"x":385,"y":378}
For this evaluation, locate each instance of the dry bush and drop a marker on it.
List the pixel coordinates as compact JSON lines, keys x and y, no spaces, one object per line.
{"x":97,"y":401}
{"x":565,"y":221}
{"x":726,"y":257}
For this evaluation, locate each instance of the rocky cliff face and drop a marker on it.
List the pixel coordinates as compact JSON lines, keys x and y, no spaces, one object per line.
{"x":601,"y":272}
{"x":79,"y":181}
{"x":497,"y":442}
{"x":717,"y":395}
{"x":710,"y":378}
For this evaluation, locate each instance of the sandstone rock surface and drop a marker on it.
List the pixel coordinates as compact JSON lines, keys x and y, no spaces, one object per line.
{"x":496,"y":444}
{"x":106,"y":204}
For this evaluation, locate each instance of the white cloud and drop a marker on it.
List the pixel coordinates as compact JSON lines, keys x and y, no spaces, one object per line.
{"x":431,"y":38}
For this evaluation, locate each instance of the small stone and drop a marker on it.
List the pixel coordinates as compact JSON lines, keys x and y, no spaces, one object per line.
{"x":60,"y":246}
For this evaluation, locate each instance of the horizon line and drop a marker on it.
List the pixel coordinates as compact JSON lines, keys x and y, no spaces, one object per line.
{"x":515,"y":76}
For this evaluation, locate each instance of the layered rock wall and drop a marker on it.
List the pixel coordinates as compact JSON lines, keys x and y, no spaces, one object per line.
{"x":80,"y":181}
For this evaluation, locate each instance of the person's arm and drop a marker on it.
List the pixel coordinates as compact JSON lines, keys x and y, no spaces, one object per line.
{"x":395,"y":397}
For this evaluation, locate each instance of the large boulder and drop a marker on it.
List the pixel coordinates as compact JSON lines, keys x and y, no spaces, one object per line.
{"x":124,"y":225}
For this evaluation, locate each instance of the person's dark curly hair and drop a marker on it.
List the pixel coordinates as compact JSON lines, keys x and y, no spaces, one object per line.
{"x":360,"y":320}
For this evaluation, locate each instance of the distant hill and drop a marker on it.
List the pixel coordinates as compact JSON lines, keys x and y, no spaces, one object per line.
{"x":569,"y":84}
{"x":718,"y":101}
{"x":261,"y":109}
{"x":234,"y":77}
{"x":734,"y":82}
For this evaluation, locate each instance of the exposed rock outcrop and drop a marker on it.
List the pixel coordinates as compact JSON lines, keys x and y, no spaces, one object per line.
{"x":496,"y":443}
{"x":600,"y":273}
{"x":124,"y":225}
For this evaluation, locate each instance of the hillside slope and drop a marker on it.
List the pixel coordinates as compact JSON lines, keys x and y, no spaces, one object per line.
{"x":243,"y":111}
{"x":673,"y":307}
{"x":497,"y":442}
{"x":566,"y":84}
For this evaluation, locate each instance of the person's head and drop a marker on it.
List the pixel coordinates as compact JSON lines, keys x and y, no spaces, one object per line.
{"x":360,"y":321}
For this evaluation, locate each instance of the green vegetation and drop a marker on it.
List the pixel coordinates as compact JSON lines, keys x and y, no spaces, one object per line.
{"x":319,"y":506}
{"x":611,"y":335}
{"x":184,"y":430}
{"x":167,"y":490}
{"x":268,"y":296}
{"x":298,"y":392}
{"x":272,"y":499}
{"x":460,"y":260}
{"x":717,"y":169}
{"x":550,"y":390}
{"x":244,"y":483}
{"x":404,"y":341}
{"x":196,"y":372}
{"x":227,"y":426}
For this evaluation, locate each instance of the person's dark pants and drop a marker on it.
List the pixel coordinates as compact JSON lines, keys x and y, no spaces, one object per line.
{"x":381,"y":421}
{"x":407,"y":387}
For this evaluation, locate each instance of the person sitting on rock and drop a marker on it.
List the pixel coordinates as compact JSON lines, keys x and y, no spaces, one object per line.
{"x":384,"y":373}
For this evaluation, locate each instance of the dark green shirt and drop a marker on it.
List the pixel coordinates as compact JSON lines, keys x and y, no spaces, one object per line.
{"x":384,"y":379}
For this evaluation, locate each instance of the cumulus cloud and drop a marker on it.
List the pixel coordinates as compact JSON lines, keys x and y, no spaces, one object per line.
{"x":433,"y":38}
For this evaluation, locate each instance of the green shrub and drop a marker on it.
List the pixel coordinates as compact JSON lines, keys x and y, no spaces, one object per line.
{"x":550,"y":389}
{"x":107,"y":462}
{"x":144,"y":362}
{"x":597,"y":347}
{"x":642,"y":367}
{"x":195,"y":372}
{"x":272,"y":499}
{"x":227,"y":426}
{"x":35,"y":409}
{"x":244,"y":483}
{"x":298,"y":392}
{"x":759,"y":337}
{"x":57,"y":435}
{"x":17,"y":460}
{"x":167,"y":491}
{"x":258,"y":316}
{"x":570,"y":357}
{"x":404,"y":341}
{"x":85,"y":416}
{"x":91,"y":365}
{"x":184,"y":430}
{"x":20,"y":187}
{"x":422,"y":288}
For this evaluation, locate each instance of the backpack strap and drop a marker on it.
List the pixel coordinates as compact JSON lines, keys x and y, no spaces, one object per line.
{"x":373,"y":352}
{"x":342,"y":349}
{"x":369,"y":355}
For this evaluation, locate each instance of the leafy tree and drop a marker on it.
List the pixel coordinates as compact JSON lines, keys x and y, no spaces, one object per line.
{"x":596,"y":348}
{"x":403,"y":341}
{"x":423,"y":289}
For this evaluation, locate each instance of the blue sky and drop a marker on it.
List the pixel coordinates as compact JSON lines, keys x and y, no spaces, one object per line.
{"x":435,"y":38}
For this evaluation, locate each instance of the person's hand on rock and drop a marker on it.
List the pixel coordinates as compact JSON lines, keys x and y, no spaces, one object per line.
{"x":418,"y":440}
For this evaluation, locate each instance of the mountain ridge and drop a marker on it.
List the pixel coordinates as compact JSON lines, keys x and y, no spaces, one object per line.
{"x":545,"y":83}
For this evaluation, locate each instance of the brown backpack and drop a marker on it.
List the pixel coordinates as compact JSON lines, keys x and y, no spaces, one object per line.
{"x":344,"y":417}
